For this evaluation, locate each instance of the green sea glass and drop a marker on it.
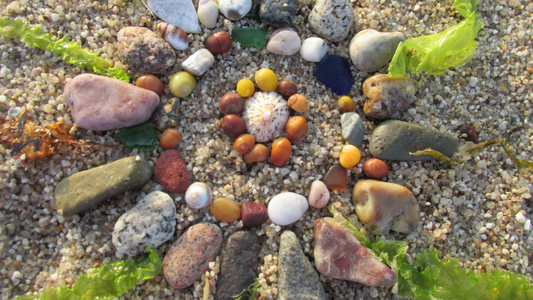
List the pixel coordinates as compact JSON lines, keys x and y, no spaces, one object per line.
{"x":250,"y":37}
{"x":255,"y":12}
{"x":140,"y":136}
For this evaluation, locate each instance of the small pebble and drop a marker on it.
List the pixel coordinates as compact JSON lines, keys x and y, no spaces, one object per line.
{"x":258,"y":153}
{"x":353,"y":128}
{"x":370,"y":50}
{"x":231,"y":103}
{"x":245,"y":87}
{"x":234,"y":9}
{"x":296,"y":129}
{"x":180,"y":13}
{"x":225,"y":210}
{"x":182,"y":84}
{"x":170,"y":138}
{"x":375,"y":168}
{"x":520,"y":218}
{"x":350,"y":156}
{"x":287,"y":208}
{"x":319,"y":194}
{"x":253,"y":214}
{"x":218,"y":42}
{"x":332,"y":19}
{"x":152,"y":83}
{"x":199,"y":62}
{"x":277,"y":13}
{"x":336,"y":179}
{"x":233,"y":125}
{"x":281,"y":151}
{"x":313,"y":49}
{"x":208,"y":13}
{"x":266,"y":80}
{"x":171,"y":171}
{"x":284,"y":41}
{"x":287,"y":88}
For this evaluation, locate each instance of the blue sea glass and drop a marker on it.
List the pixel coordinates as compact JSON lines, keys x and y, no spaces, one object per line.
{"x":333,"y":71}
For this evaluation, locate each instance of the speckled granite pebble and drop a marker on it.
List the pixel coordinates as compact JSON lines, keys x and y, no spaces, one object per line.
{"x":171,"y":171}
{"x":277,"y":13}
{"x":179,"y":13}
{"x":332,"y":19}
{"x":297,"y":277}
{"x":394,"y":140}
{"x":188,"y":258}
{"x":149,"y":223}
{"x":353,"y":128}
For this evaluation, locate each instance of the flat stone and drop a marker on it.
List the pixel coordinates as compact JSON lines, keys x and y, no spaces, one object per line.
{"x":102,"y":103}
{"x":239,"y":263}
{"x":179,"y":13}
{"x":336,"y":178}
{"x":171,"y":171}
{"x":334,"y":72}
{"x":287,"y":208}
{"x":339,"y":255}
{"x":353,"y":128}
{"x":370,"y":50}
{"x":313,"y":49}
{"x":150,"y":222}
{"x":188,"y":258}
{"x":253,"y":214}
{"x":297,"y":277}
{"x":394,"y":140}
{"x":384,"y":206}
{"x":332,"y":19}
{"x":284,"y":41}
{"x":145,"y":51}
{"x":85,"y":189}
{"x":278,"y":13}
{"x":199,"y":62}
{"x":234,"y":9}
{"x":319,"y":194}
{"x":387,"y":97}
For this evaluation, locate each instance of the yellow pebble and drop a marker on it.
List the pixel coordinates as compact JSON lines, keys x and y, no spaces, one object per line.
{"x":181,"y":84}
{"x":350,"y":156}
{"x":245,"y":87}
{"x":225,"y":210}
{"x":346,"y":104}
{"x":266,"y":80}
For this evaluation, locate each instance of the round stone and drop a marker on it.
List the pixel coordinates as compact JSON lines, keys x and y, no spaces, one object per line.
{"x":225,"y":210}
{"x":319,"y":194}
{"x":152,"y":83}
{"x":218,"y":42}
{"x":287,"y":208}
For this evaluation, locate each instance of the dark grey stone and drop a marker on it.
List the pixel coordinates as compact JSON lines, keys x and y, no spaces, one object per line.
{"x":278,"y":13}
{"x":394,"y":140}
{"x":238,"y":267}
{"x":353,"y":128}
{"x":297,"y":279}
{"x":82,"y":190}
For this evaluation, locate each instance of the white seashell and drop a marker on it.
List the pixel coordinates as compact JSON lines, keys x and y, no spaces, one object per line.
{"x":198,"y":195}
{"x":284,"y":41}
{"x":313,"y":49}
{"x":287,"y":208}
{"x":179,"y":13}
{"x":175,"y":36}
{"x":199,"y":62}
{"x":319,"y":194}
{"x":208,"y":13}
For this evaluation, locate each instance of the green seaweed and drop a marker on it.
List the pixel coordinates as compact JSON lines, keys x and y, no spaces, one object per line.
{"x":110,"y":280}
{"x":71,"y":52}
{"x":250,"y":292}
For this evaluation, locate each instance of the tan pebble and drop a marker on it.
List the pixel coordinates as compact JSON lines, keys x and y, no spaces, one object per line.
{"x":225,"y":210}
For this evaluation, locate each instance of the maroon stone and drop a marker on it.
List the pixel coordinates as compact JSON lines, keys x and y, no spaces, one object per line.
{"x":171,"y":171}
{"x":253,"y":214}
{"x":338,"y":254}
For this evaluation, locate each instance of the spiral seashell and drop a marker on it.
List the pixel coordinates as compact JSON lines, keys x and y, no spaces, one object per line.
{"x":175,"y":36}
{"x":198,"y":195}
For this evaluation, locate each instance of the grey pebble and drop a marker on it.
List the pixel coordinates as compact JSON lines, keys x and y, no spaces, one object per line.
{"x":353,"y":128}
{"x":278,"y":13}
{"x":332,"y":19}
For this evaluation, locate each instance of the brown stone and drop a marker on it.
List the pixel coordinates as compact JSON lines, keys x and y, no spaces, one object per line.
{"x":253,"y":214}
{"x":336,"y":178}
{"x":171,"y":171}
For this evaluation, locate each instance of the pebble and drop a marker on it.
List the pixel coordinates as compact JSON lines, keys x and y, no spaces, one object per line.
{"x":208,"y":13}
{"x":253,"y":214}
{"x":231,"y":103}
{"x":387,"y":97}
{"x":239,"y":263}
{"x":150,"y":222}
{"x":375,"y":168}
{"x":384,"y":206}
{"x":152,"y":83}
{"x":296,"y":129}
{"x":297,"y":277}
{"x":277,"y":13}
{"x":225,"y":210}
{"x":394,"y":140}
{"x":145,"y":51}
{"x":180,"y":13}
{"x":520,"y":218}
{"x":350,"y":156}
{"x":334,"y":72}
{"x":287,"y":88}
{"x":169,"y":138}
{"x":284,"y":41}
{"x":258,"y":153}
{"x":332,"y":19}
{"x":85,"y":189}
{"x":233,"y":125}
{"x":171,"y":171}
{"x":281,"y":151}
{"x":319,"y":194}
{"x":353,"y":128}
{"x":287,"y":208}
{"x":338,"y":254}
{"x":218,"y":42}
{"x":370,"y":50}
{"x":336,"y":178}
{"x":188,"y":258}
{"x":313,"y":49}
{"x":168,"y":115}
{"x":198,"y":195}
{"x":175,"y":36}
{"x":234,"y":9}
{"x":199,"y":62}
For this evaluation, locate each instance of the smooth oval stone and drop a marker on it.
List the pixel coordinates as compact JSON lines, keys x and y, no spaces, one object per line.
{"x":394,"y":140}
{"x":253,"y":214}
{"x":332,"y":19}
{"x":297,"y":277}
{"x":370,"y":50}
{"x":171,"y":171}
{"x":339,"y":255}
{"x":85,"y":189}
{"x":102,"y":103}
{"x":225,"y":210}
{"x":239,"y":263}
{"x":179,"y":13}
{"x":384,"y":206}
{"x":287,"y":208}
{"x":234,"y":9}
{"x":334,"y":72}
{"x":336,"y":178}
{"x":284,"y":41}
{"x":208,"y":13}
{"x":145,"y":51}
{"x":199,"y":62}
{"x":150,"y":222}
{"x":313,"y":49}
{"x":353,"y":128}
{"x":188,"y":258}
{"x":388,"y":97}
{"x":277,"y":13}
{"x":319,"y":194}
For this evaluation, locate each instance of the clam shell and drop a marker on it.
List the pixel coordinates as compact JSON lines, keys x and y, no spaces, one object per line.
{"x":175,"y":36}
{"x":198,"y":195}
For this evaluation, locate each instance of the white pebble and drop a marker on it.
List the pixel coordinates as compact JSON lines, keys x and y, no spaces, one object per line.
{"x":520,"y":218}
{"x":527,"y":225}
{"x":199,"y":62}
{"x":313,"y":49}
{"x":287,"y":208}
{"x":473,"y":81}
{"x":284,"y":41}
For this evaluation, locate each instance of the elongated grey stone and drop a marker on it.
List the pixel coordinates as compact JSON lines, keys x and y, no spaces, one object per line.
{"x":394,"y":140}
{"x":82,"y":190}
{"x":353,"y":129}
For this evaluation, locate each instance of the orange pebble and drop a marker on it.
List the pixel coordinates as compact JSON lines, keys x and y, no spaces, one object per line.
{"x":244,"y":143}
{"x":336,"y":178}
{"x":296,"y":129}
{"x":350,"y":156}
{"x":169,"y":138}
{"x":375,"y":168}
{"x":259,"y":152}
{"x":225,"y":210}
{"x":152,"y":83}
{"x":281,"y":151}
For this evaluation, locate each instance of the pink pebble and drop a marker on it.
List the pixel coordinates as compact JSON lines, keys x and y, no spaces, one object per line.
{"x":319,"y":195}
